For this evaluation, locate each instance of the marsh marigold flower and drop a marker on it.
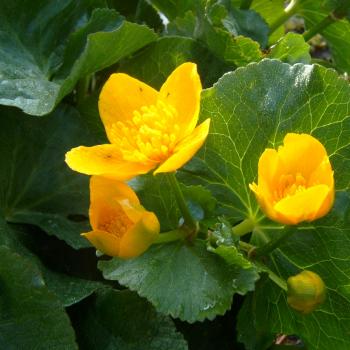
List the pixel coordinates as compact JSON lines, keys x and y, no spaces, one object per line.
{"x":147,"y":129}
{"x":295,"y":183}
{"x":306,"y":291}
{"x":120,"y":225}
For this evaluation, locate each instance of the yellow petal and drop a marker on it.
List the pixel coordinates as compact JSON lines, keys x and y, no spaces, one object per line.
{"x":186,"y":149}
{"x":139,"y":238}
{"x":121,"y":96}
{"x":104,"y":160}
{"x":106,"y":196}
{"x":104,"y":241}
{"x":182,"y":90}
{"x":301,"y":153}
{"x":303,"y":206}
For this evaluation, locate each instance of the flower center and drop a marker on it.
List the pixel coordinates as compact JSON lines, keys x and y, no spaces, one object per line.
{"x":290,"y":185}
{"x":115,"y":222}
{"x":151,"y":134}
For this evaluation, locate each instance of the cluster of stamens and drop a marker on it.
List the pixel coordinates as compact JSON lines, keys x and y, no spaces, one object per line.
{"x":115,"y":222}
{"x":151,"y":134}
{"x":290,"y":185}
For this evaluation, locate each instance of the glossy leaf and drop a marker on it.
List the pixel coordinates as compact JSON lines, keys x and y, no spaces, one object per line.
{"x":122,"y":320}
{"x":31,"y":316}
{"x":37,"y":187}
{"x":183,"y":281}
{"x":47,"y":49}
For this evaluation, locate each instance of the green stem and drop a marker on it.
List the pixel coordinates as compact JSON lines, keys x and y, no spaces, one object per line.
{"x":319,"y":27}
{"x":243,"y":227}
{"x":170,"y":236}
{"x":273,"y":244}
{"x":278,"y":280}
{"x":83,"y":88}
{"x":245,"y":4}
{"x":246,"y":246}
{"x":289,"y":11}
{"x":189,"y":221}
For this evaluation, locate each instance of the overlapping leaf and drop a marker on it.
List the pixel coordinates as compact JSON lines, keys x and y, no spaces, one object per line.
{"x":252,"y":109}
{"x":123,"y":320}
{"x":47,"y":49}
{"x":37,"y":187}
{"x":31,"y":316}
{"x":181,"y":280}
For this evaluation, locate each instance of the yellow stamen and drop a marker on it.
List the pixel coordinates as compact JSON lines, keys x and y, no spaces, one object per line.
{"x":151,"y":134}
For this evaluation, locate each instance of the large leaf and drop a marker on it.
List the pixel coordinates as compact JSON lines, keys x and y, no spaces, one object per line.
{"x":181,"y":280}
{"x":322,"y":247}
{"x":47,"y":49}
{"x":68,"y":289}
{"x":31,"y":317}
{"x":37,"y":187}
{"x":124,"y":321}
{"x":254,"y":108}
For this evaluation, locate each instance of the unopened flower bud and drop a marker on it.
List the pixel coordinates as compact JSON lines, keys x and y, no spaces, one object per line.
{"x":306,"y":291}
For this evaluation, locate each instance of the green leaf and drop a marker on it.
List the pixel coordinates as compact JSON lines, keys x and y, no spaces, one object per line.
{"x":336,"y":34}
{"x":156,"y":61}
{"x":38,"y":69}
{"x":68,"y":289}
{"x":254,"y":108}
{"x":155,"y":194}
{"x":172,"y":9}
{"x":139,"y":11}
{"x":269,"y":10}
{"x":234,"y":51}
{"x":31,"y":317}
{"x":124,"y":321}
{"x":322,"y":247}
{"x":37,"y":187}
{"x":291,"y":48}
{"x":184,"y":281}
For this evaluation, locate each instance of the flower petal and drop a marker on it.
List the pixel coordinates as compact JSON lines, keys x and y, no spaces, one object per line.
{"x":303,"y":206}
{"x":104,"y":160}
{"x":140,"y":237}
{"x":107,"y":197}
{"x":182,"y":90}
{"x":104,"y":241}
{"x":121,"y":95}
{"x":186,"y":149}
{"x":301,"y":153}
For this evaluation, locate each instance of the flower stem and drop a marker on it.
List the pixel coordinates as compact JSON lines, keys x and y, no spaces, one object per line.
{"x":245,"y":4}
{"x":82,"y":88}
{"x":170,"y":236}
{"x":289,"y":11}
{"x":273,"y":244}
{"x":245,"y":246}
{"x":243,"y":227}
{"x":189,"y":221}
{"x":278,"y":280}
{"x":319,"y":27}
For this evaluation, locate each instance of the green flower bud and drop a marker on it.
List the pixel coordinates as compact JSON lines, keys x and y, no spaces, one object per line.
{"x":306,"y":291}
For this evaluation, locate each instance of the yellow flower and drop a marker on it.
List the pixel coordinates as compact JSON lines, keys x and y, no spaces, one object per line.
{"x":295,"y":183}
{"x":306,"y":291}
{"x":147,"y":129}
{"x":120,"y":225}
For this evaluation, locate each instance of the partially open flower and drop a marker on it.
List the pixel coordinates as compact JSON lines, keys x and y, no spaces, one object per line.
{"x":120,"y":225}
{"x":306,"y":291}
{"x":147,"y":129}
{"x":295,"y":183}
